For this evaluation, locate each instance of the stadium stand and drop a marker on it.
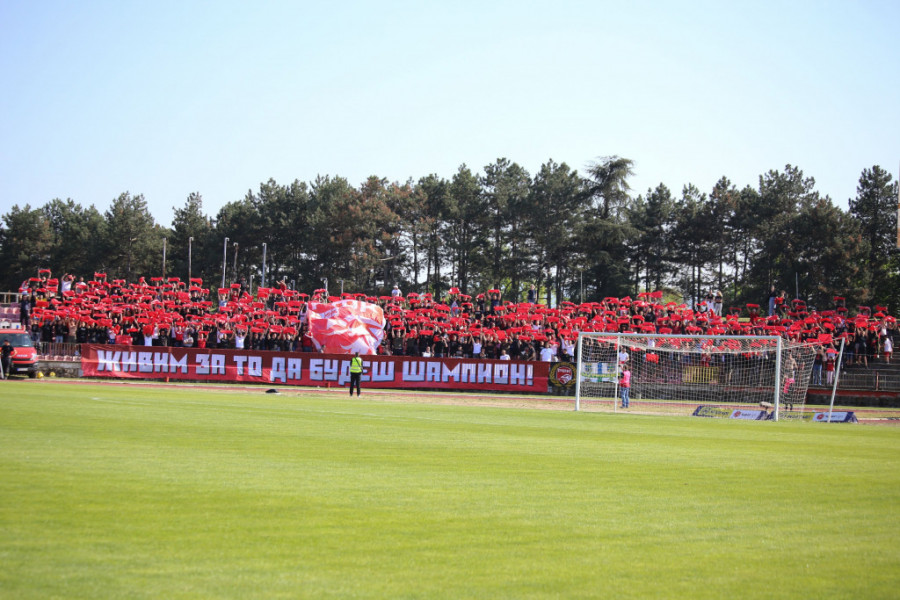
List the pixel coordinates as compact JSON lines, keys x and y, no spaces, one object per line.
{"x":173,"y":312}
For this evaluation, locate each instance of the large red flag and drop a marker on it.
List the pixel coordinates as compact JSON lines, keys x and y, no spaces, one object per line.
{"x":346,"y":326}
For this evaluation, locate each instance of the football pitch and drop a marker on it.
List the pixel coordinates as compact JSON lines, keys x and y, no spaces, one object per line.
{"x":133,"y":491}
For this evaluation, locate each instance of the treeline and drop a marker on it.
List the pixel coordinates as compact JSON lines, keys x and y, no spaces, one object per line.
{"x":572,"y":235}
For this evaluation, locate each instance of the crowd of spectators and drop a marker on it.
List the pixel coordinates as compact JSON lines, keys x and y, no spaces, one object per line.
{"x":172,"y":312}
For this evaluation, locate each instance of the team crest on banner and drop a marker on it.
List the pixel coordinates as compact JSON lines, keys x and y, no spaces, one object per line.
{"x":562,"y":374}
{"x":346,"y":326}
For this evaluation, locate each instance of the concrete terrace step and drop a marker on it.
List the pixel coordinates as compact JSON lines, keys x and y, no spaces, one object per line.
{"x":892,"y":368}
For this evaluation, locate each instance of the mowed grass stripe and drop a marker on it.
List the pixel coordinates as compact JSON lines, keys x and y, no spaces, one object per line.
{"x":140,"y":492}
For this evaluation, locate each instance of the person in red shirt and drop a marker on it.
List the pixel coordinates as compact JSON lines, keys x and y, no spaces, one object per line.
{"x":829,"y":368}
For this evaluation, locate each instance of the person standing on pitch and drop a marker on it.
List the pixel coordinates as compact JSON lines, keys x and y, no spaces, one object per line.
{"x":5,"y":359}
{"x":356,"y":369}
{"x":625,"y":384}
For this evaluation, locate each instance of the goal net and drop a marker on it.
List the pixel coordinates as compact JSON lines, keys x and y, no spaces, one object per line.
{"x":674,"y":374}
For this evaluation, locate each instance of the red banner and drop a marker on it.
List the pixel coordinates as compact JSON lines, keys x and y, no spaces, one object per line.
{"x":311,"y":369}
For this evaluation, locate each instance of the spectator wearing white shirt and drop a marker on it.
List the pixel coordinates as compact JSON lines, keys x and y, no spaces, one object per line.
{"x":476,"y":347}
{"x":546,"y":353}
{"x":66,"y":283}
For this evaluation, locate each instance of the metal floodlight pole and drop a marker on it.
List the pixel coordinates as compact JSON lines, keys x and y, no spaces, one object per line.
{"x":263,"y":280}
{"x":898,"y":214}
{"x":251,"y":284}
{"x":164,"y":259}
{"x":342,"y":287}
{"x":190,"y":242}
{"x":224,"y":260}
{"x":235,"y":260}
{"x":130,"y":246}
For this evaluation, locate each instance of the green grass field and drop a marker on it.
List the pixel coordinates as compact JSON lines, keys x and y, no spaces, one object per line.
{"x":137,"y":492}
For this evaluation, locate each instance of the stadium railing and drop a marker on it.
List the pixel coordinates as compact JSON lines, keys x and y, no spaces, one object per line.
{"x":9,"y":297}
{"x":58,"y":351}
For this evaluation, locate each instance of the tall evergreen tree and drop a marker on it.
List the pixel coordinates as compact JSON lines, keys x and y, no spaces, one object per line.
{"x":335,"y":217}
{"x":558,"y":207}
{"x":875,"y":209}
{"x":77,"y":236}
{"x":605,"y":227}
{"x":828,"y":253}
{"x":692,"y":241}
{"x":782,"y":196}
{"x":412,"y":210}
{"x":653,"y":219}
{"x":191,"y":241}
{"x":467,"y":228}
{"x":436,"y":203}
{"x":26,"y":245}
{"x":506,"y":188}
{"x":133,"y":246}
{"x":378,"y":233}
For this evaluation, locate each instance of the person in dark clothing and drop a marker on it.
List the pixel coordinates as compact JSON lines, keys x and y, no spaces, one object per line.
{"x":25,"y":311}
{"x":5,"y":359}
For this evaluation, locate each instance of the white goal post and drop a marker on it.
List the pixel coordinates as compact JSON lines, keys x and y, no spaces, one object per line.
{"x":674,"y":374}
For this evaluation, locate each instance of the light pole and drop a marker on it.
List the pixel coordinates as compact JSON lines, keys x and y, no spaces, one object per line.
{"x":325,"y":281}
{"x":263,"y":281}
{"x":235,"y":260}
{"x":130,"y":244}
{"x":164,"y":258}
{"x":190,"y":241}
{"x":224,"y":260}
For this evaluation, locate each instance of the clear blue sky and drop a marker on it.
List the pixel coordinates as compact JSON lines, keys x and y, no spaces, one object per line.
{"x":167,"y":98}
